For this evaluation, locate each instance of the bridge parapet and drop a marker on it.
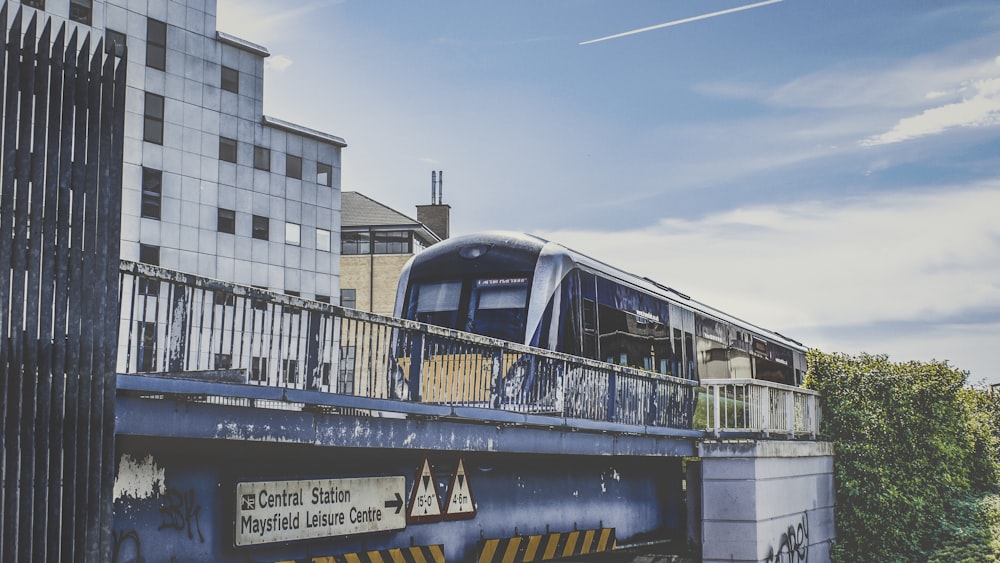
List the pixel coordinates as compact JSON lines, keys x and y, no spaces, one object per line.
{"x":751,"y":407}
{"x":361,"y":363}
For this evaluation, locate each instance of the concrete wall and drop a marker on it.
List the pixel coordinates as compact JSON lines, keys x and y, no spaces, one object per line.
{"x":767,"y":501}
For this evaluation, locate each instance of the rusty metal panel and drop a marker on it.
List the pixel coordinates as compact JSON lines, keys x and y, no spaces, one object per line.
{"x":59,"y":250}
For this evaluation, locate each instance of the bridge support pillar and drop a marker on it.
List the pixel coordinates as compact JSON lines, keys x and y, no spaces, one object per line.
{"x":767,"y":501}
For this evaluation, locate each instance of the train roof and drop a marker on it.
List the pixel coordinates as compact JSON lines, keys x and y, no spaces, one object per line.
{"x":534,"y":243}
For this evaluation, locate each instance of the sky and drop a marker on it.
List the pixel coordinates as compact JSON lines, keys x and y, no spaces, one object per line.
{"x":828,"y":170}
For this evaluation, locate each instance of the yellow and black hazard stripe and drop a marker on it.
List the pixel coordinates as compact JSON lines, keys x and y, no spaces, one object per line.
{"x":543,"y":547}
{"x":414,"y":554}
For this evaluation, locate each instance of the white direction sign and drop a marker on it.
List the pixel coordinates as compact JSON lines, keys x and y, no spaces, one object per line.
{"x":278,"y":511}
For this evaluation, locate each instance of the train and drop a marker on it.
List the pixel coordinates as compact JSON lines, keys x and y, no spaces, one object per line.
{"x":523,"y":288}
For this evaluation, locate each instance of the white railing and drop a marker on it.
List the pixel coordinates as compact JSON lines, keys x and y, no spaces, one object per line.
{"x":756,"y":407}
{"x":175,"y":323}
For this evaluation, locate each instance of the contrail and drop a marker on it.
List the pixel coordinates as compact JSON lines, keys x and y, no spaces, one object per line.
{"x":685,"y":20}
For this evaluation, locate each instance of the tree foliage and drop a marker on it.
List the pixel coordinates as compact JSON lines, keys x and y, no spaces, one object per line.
{"x":909,"y":438}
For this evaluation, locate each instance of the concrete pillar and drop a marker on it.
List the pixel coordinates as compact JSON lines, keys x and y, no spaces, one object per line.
{"x":767,"y":501}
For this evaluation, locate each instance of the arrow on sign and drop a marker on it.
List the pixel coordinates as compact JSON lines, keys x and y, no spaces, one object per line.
{"x":397,"y":504}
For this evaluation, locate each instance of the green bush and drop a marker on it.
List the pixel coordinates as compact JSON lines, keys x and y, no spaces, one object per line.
{"x":909,"y":439}
{"x":970,"y":533}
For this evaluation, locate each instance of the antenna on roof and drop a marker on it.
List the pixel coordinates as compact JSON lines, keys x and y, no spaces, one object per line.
{"x":437,"y":187}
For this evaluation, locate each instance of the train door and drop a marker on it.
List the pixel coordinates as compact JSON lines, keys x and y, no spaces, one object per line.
{"x":589,"y":342}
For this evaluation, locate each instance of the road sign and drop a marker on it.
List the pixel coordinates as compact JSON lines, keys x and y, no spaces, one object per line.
{"x":460,"y":503}
{"x":278,"y":511}
{"x":425,"y":506}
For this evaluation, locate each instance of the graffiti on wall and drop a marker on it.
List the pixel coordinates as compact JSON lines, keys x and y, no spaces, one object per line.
{"x":793,"y":546}
{"x":181,"y":511}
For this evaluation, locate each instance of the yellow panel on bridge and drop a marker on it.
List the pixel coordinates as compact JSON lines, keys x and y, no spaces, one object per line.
{"x":458,"y":378}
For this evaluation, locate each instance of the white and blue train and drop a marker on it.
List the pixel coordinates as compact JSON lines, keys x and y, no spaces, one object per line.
{"x":525,"y":289}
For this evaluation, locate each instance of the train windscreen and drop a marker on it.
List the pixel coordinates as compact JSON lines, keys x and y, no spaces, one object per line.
{"x":495,"y":307}
{"x":500,"y":309}
{"x":437,"y":303}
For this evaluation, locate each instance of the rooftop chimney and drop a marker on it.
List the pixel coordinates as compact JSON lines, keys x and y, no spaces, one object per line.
{"x":437,"y":215}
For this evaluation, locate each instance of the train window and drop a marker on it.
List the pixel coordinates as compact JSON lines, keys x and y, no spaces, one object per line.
{"x":500,"y":311}
{"x":739,"y":364}
{"x":682,"y":326}
{"x":437,"y":303}
{"x":633,"y":340}
{"x":713,"y":359}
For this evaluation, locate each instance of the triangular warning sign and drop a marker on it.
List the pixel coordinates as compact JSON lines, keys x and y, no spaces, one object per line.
{"x":460,"y":504}
{"x":425,"y":506}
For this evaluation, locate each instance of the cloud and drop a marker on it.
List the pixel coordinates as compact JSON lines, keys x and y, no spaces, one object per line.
{"x":981,"y":109}
{"x":899,"y":257}
{"x":913,"y":275}
{"x":277,"y":63}
{"x":262,"y":21}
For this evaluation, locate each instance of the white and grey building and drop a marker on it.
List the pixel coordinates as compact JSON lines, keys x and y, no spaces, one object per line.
{"x":212,"y":186}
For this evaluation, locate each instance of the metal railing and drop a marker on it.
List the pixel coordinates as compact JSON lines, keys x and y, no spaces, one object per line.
{"x":759,"y":408}
{"x":174,"y":323}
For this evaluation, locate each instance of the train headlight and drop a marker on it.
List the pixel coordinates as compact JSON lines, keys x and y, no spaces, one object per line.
{"x":473,"y":251}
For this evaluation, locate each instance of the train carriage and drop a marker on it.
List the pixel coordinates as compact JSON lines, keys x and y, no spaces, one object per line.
{"x":524,"y":289}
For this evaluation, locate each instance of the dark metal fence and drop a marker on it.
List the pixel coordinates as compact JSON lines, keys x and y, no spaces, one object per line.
{"x":60,"y":205}
{"x":177,"y":324}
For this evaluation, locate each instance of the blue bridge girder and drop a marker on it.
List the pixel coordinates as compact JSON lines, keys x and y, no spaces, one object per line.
{"x":179,"y":408}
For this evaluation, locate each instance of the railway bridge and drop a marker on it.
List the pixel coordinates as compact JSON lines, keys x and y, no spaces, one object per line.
{"x":255,"y":426}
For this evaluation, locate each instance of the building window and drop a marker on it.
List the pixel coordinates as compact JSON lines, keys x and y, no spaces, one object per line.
{"x":259,"y":304}
{"x":115,"y":42}
{"x":227,"y":221}
{"x":293,"y":293}
{"x":386,"y":242}
{"x":349,"y":298}
{"x":324,"y":174}
{"x":293,"y":166}
{"x":145,"y":359}
{"x":227,"y":149}
{"x":392,"y":242}
{"x":352,"y":244}
{"x":152,"y":190}
{"x":291,"y":371}
{"x":149,"y":254}
{"x":345,"y":371}
{"x":37,"y":4}
{"x":261,"y":227}
{"x":230,"y":79}
{"x":80,"y":10}
{"x":323,"y":240}
{"x":258,"y":369}
{"x":322,"y":298}
{"x":156,"y":44}
{"x":261,"y":158}
{"x":224,"y":299}
{"x":293,"y":234}
{"x":223,"y":361}
{"x":325,"y":374}
{"x":152,"y":130}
